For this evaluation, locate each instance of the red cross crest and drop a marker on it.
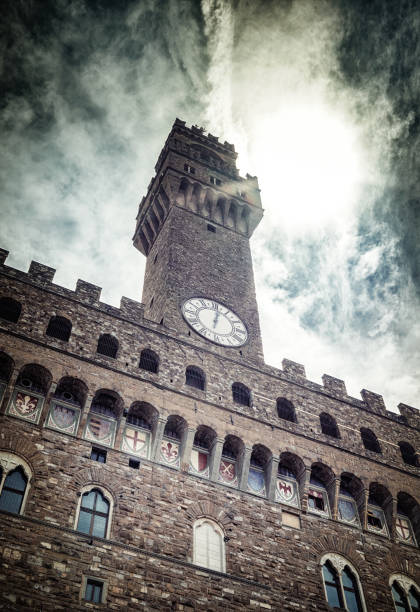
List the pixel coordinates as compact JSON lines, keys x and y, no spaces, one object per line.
{"x":403,"y":529}
{"x":136,"y":440}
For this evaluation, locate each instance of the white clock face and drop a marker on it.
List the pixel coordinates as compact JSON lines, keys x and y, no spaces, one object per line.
{"x":214,"y":322}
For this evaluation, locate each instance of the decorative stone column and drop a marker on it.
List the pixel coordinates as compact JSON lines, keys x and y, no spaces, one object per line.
{"x":304,"y":492}
{"x":9,"y":389}
{"x":272,"y":471}
{"x":84,"y":415}
{"x":160,"y":427}
{"x":187,"y":448}
{"x":336,"y":489}
{"x":216,"y":456}
{"x":246,"y":458}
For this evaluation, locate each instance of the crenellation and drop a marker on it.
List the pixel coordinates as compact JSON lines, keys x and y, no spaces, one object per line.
{"x":40,"y":272}
{"x":87,"y":291}
{"x":410,"y":414}
{"x":374,"y":401}
{"x":336,"y":385}
{"x":3,"y":256}
{"x":131,"y":309}
{"x":294,"y":370}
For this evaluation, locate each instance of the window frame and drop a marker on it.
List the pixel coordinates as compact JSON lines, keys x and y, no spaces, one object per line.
{"x":406,"y":584}
{"x":194,"y":374}
{"x":222,"y":551}
{"x":7,"y":298}
{"x":339,"y":563}
{"x":109,"y":498}
{"x":59,"y":321}
{"x":326,"y":513}
{"x":239,"y":388}
{"x":108,"y":340}
{"x":10,"y":462}
{"x":85,"y":580}
{"x":155,"y":357}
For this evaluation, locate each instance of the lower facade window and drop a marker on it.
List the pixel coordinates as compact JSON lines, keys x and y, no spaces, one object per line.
{"x":376,"y":520}
{"x":209,"y":546}
{"x":341,"y":584}
{"x":94,"y":590}
{"x":318,"y":501}
{"x":93,"y":514}
{"x":405,"y":593}
{"x":15,"y":476}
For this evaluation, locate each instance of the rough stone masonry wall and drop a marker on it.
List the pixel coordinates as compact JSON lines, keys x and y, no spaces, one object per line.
{"x":147,"y":560}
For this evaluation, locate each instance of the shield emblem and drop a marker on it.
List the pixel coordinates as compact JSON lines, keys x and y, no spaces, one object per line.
{"x":25,"y":405}
{"x":198,"y":460}
{"x":63,"y":417}
{"x":227,"y":471}
{"x":169,"y":451}
{"x":285,"y":490}
{"x":99,"y":428}
{"x":135,"y":440}
{"x":256,"y":481}
{"x":346,"y":510}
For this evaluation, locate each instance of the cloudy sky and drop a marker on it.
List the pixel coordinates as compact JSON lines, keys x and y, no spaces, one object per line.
{"x":322,"y":102}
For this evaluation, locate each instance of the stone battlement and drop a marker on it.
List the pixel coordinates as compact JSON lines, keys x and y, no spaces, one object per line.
{"x":89,"y":294}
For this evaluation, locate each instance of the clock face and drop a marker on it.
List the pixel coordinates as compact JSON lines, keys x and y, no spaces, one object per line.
{"x":214,"y":322}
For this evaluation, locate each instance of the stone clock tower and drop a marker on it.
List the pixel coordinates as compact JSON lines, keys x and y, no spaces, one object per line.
{"x":194,"y":227}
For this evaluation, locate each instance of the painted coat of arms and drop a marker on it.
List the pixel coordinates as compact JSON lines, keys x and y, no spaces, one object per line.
{"x":227,"y":472}
{"x":25,"y":406}
{"x":199,"y":463}
{"x":256,"y":481}
{"x":63,"y":418}
{"x":136,"y":442}
{"x":286,"y":492}
{"x":169,"y":452}
{"x":100,"y":430}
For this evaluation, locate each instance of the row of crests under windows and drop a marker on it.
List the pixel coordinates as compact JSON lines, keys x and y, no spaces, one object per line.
{"x":341,"y":582}
{"x":34,"y":378}
{"x":327,"y":496}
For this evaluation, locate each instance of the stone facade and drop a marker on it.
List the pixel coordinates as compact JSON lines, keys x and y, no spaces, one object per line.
{"x":146,"y":561}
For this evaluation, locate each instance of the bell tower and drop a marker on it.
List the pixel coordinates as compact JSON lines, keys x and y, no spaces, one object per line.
{"x":194,"y":227}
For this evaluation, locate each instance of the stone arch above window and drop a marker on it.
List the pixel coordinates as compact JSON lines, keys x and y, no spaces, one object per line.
{"x":408,"y":519}
{"x":149,"y":361}
{"x":209,"y":545}
{"x":241,"y":394}
{"x":10,"y":309}
{"x":195,"y":377}
{"x":94,"y":512}
{"x":29,"y":393}
{"x":107,"y":345}
{"x":231,"y":461}
{"x":405,"y":593}
{"x":329,"y":425}
{"x":286,"y":410}
{"x":408,"y":453}
{"x":15,"y":478}
{"x":139,"y":429}
{"x":60,"y":328}
{"x":35,"y":377}
{"x":379,"y":511}
{"x":342,"y":586}
{"x":71,"y":390}
{"x":370,"y":441}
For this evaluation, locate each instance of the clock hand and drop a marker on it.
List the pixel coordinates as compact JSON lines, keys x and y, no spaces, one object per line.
{"x":216,"y":318}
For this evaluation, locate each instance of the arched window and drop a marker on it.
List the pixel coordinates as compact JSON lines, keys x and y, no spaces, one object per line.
{"x":140,"y":423}
{"x":102,"y":420}
{"x":28,"y":396}
{"x":341,"y":583}
{"x":201,"y":452}
{"x":241,"y":394}
{"x":328,"y":425}
{"x":94,"y":514}
{"x":321,"y":478}
{"x":68,"y":399}
{"x":370,"y":441}
{"x":405,"y":593}
{"x":173,"y":435}
{"x":149,"y":361}
{"x":60,"y":328}
{"x":408,"y":453}
{"x":13,"y":491}
{"x":10,"y":309}
{"x":107,"y":345}
{"x":232,"y":451}
{"x":6,"y":367}
{"x":15,"y":476}
{"x":195,"y":377}
{"x":286,"y":410}
{"x":209,"y":547}
{"x":257,"y":475}
{"x":380,"y":500}
{"x":351,"y":491}
{"x":408,"y":518}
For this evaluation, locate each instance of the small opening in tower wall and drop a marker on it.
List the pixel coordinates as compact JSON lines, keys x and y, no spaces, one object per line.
{"x":211,"y":228}
{"x":215,"y":181}
{"x":155,"y":259}
{"x":134,"y":463}
{"x":189,"y":169}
